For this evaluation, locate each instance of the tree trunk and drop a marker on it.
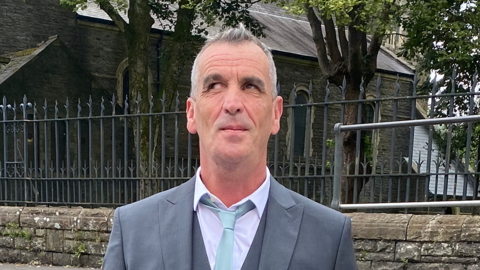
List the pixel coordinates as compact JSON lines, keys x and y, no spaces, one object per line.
{"x":180,"y":53}
{"x":137,"y":35}
{"x":355,"y":63}
{"x":351,"y":163}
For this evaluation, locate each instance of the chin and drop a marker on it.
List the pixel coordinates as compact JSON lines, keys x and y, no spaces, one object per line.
{"x":226,"y":156}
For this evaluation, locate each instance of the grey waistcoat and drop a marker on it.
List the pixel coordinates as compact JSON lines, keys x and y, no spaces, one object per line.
{"x":199,"y":255}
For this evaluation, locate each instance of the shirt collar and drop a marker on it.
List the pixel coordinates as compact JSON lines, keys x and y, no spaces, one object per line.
{"x":259,"y":197}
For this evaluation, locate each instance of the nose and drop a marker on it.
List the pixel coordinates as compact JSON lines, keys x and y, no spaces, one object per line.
{"x":232,"y":103}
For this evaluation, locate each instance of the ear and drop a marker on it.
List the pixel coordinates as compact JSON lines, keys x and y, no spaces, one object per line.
{"x":191,"y":126}
{"x":277,"y":113}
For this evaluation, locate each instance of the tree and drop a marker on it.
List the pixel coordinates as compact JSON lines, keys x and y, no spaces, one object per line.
{"x":443,"y":36}
{"x":348,"y":35}
{"x":179,"y":15}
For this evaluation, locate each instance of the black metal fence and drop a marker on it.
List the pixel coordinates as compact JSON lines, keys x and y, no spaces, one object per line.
{"x":426,"y":175}
{"x":89,"y":154}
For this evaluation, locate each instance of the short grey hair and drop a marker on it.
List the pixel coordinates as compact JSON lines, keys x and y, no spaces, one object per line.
{"x":235,"y":36}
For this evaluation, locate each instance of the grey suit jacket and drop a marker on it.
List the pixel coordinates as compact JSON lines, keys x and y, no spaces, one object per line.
{"x":156,"y":233}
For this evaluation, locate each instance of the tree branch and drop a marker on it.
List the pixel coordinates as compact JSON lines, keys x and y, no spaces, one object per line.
{"x":317,"y":34}
{"x":343,"y":41}
{"x":331,"y":40}
{"x":355,"y":48}
{"x":371,"y":56}
{"x":113,"y":14}
{"x":375,"y":45}
{"x":395,"y":34}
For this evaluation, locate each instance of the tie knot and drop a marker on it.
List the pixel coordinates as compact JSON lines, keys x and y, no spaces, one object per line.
{"x":228,"y":218}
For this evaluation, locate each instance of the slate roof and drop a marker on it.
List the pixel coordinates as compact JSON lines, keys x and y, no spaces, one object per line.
{"x":285,"y":33}
{"x":19,"y":59}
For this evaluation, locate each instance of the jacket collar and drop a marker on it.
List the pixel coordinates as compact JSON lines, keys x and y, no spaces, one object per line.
{"x":284,"y":217}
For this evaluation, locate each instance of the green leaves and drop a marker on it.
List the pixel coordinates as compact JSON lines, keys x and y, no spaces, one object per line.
{"x":229,"y":13}
{"x":347,"y":12}
{"x":442,"y":34}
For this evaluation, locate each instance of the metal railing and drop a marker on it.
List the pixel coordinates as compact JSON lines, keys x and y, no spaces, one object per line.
{"x":89,"y":154}
{"x":468,"y":192}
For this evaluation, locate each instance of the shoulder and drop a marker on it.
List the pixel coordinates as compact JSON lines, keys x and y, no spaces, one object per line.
{"x":319,"y":212}
{"x":145,"y":206}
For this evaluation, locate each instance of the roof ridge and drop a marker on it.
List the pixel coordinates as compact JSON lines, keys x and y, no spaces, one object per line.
{"x":402,"y":61}
{"x":21,"y":58}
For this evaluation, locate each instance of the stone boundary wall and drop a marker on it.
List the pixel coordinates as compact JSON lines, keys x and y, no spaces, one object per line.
{"x":414,"y":242}
{"x":54,"y":235}
{"x":79,"y":237}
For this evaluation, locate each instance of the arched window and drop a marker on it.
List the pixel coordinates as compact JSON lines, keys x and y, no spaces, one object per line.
{"x":371,"y":138}
{"x":123,"y":83}
{"x":369,"y":113}
{"x":123,"y":91}
{"x":300,"y":119}
{"x":300,"y":114}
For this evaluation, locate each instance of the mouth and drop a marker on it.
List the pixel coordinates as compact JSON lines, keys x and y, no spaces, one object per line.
{"x":234,"y":128}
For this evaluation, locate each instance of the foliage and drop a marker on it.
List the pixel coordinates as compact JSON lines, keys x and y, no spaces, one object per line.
{"x":207,"y":12}
{"x":80,"y":249}
{"x":352,"y":32}
{"x":13,"y":230}
{"x":457,"y":142}
{"x":443,"y":37}
{"x":182,"y":17}
{"x":120,"y":5}
{"x":179,"y":16}
{"x":348,"y":35}
{"x":345,"y":12}
{"x":227,"y":13}
{"x":368,"y":148}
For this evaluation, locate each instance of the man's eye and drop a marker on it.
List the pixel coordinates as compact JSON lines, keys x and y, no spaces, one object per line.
{"x":250,"y":86}
{"x":213,"y":86}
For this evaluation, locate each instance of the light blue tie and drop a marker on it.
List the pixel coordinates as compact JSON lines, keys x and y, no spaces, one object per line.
{"x":224,"y":256}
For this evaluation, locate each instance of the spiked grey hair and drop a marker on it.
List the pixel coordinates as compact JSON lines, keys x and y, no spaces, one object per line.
{"x":236,"y":35}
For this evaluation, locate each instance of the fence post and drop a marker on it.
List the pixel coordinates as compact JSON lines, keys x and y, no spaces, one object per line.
{"x":338,"y":167}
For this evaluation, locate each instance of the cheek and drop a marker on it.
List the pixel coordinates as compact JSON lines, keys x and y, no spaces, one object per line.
{"x":206,"y":115}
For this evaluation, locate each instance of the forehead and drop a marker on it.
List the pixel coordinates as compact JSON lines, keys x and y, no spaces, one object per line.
{"x":245,"y":54}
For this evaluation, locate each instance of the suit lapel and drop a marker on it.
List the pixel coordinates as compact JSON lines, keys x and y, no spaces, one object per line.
{"x":176,"y":219}
{"x":284,"y":217}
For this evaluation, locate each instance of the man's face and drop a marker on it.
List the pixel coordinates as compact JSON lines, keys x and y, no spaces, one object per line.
{"x":233,"y":111}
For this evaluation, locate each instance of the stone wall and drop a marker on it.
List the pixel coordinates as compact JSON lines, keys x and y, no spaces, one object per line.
{"x":58,"y":236}
{"x":427,"y":242}
{"x":77,"y":236}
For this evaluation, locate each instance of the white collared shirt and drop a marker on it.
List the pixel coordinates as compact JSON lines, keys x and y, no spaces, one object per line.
{"x":245,"y":226}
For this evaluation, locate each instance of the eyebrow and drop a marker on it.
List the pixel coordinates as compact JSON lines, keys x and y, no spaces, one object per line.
{"x":211,"y":78}
{"x":254,"y":80}
{"x":249,"y":79}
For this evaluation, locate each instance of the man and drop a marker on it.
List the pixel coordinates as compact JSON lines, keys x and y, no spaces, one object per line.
{"x":233,"y":106}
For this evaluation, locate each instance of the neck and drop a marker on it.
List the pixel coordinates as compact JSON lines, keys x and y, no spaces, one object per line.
{"x":232,"y":183}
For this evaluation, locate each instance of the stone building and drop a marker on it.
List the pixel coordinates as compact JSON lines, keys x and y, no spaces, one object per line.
{"x":91,"y":61}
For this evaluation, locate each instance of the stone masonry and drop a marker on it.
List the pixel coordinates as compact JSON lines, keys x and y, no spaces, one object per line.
{"x":77,"y":236}
{"x":386,"y":241}
{"x":58,"y":236}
